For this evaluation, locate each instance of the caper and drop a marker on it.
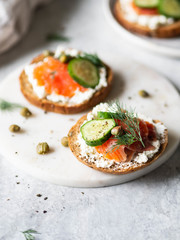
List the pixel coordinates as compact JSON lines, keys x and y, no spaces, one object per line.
{"x":63,"y":58}
{"x":14,"y":128}
{"x":117,"y":131}
{"x":47,"y":53}
{"x":143,"y":93}
{"x":64,"y":141}
{"x":42,"y":148}
{"x":25,"y":112}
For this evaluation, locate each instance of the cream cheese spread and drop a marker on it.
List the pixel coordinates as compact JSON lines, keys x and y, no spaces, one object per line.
{"x":92,"y":155}
{"x":79,"y":97}
{"x":151,"y":21}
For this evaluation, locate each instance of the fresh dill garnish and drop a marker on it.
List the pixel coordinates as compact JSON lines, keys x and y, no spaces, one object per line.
{"x":8,"y":106}
{"x":56,"y":37}
{"x":130,"y":124}
{"x":92,"y":58}
{"x":28,"y":234}
{"x":126,"y":139}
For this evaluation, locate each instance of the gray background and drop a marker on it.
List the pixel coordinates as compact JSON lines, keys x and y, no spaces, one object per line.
{"x":148,"y":208}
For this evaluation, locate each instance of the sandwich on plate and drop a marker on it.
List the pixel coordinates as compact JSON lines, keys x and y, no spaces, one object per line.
{"x":65,"y":81}
{"x":154,"y":18}
{"x":114,"y":140}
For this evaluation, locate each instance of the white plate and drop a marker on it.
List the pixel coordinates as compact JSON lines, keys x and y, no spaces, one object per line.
{"x":60,"y":166}
{"x":168,"y":47}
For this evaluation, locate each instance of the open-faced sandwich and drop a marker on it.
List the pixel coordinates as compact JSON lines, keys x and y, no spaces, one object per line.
{"x":113,"y":140}
{"x":67,"y":81}
{"x":155,"y":18}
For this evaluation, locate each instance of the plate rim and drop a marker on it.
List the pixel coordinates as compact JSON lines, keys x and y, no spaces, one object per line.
{"x":137,"y":40}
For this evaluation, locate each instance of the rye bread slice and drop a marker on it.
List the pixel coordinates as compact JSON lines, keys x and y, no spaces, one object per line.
{"x":76,"y":150}
{"x":169,"y":31}
{"x":47,"y":105}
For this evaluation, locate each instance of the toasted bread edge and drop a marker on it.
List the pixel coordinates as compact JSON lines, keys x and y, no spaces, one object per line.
{"x":169,"y":31}
{"x":47,"y":105}
{"x":75,"y":148}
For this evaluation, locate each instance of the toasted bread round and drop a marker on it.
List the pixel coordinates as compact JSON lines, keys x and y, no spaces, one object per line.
{"x":169,"y":31}
{"x":115,"y":168}
{"x":47,"y":105}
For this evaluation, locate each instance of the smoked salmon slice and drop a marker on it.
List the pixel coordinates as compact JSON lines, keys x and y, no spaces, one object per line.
{"x":117,"y":154}
{"x":144,"y":11}
{"x":54,"y":76}
{"x":124,"y":153}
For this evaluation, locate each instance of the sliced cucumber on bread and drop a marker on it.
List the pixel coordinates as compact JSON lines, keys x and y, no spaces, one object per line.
{"x":104,"y":115}
{"x":96,"y":132}
{"x":170,"y":8}
{"x":147,"y":3}
{"x":84,"y":72}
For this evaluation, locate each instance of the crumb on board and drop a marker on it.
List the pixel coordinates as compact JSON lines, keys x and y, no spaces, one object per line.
{"x":39,"y":195}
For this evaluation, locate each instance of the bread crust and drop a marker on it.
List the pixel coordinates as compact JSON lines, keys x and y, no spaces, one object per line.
{"x":75,"y":148}
{"x":47,"y":105}
{"x":169,"y":31}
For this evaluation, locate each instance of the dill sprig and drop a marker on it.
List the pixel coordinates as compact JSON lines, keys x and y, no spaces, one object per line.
{"x":130,"y":121}
{"x":126,"y":139}
{"x":28,"y":234}
{"x":56,"y":37}
{"x":8,"y":106}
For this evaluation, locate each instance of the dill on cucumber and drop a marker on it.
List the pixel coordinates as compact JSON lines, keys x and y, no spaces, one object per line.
{"x":129,"y":119}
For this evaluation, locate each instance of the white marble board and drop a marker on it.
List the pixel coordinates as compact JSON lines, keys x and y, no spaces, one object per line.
{"x":60,"y":166}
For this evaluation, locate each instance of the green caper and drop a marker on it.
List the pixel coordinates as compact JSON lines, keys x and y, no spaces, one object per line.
{"x":42,"y":148}
{"x":47,"y":53}
{"x":25,"y":112}
{"x":14,"y":128}
{"x":63,"y":58}
{"x":117,"y":131}
{"x":64,"y":141}
{"x":143,"y":94}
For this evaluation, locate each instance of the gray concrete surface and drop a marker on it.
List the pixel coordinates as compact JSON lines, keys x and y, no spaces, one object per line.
{"x":147,"y":208}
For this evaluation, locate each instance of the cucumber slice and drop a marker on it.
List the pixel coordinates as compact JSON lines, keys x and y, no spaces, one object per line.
{"x":147,"y":3}
{"x":104,"y":115}
{"x":84,"y":72}
{"x":96,"y":132}
{"x":170,"y":8}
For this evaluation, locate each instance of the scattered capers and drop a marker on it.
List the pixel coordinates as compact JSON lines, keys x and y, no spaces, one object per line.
{"x":25,"y":112}
{"x":117,"y":131}
{"x":42,"y":148}
{"x":63,"y":58}
{"x":64,"y":141}
{"x":14,"y":128}
{"x":143,"y":94}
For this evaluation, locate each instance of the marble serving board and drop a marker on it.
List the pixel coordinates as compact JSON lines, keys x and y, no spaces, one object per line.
{"x":60,"y":166}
